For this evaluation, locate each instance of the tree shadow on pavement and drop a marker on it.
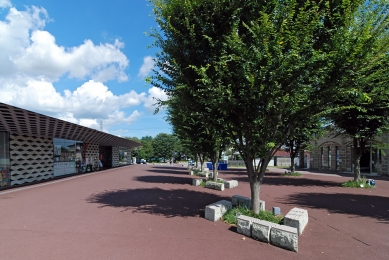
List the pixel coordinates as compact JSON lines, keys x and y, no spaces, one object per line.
{"x":167,"y":171}
{"x":353,"y":204}
{"x":163,"y":179}
{"x":298,"y":181}
{"x":168,"y":203}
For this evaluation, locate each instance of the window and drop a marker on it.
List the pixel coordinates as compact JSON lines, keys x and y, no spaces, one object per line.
{"x":65,"y":154}
{"x":4,"y":160}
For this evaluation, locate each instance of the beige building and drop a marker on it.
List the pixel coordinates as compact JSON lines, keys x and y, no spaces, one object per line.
{"x":335,"y":153}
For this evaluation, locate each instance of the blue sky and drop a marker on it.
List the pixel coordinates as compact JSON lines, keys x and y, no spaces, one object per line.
{"x":82,"y":61}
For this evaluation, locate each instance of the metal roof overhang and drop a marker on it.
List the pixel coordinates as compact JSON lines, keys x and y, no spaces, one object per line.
{"x":20,"y":121}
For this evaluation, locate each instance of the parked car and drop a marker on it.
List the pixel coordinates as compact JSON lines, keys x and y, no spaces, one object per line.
{"x":141,"y":161}
{"x":191,"y":163}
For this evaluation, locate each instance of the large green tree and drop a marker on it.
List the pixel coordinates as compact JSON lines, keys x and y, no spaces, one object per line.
{"x":361,"y":67}
{"x":250,"y":66}
{"x":164,"y":145}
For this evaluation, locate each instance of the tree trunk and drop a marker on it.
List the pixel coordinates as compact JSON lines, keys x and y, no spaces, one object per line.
{"x":201,"y":162}
{"x":255,"y":187}
{"x":214,"y":164}
{"x":357,"y":159}
{"x":292,"y":167}
{"x":195,"y":157}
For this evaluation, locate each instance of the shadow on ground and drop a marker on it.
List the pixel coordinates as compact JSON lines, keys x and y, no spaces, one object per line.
{"x":278,"y":180}
{"x":167,"y":171}
{"x":353,"y":204}
{"x":168,"y":203}
{"x":163,"y":179}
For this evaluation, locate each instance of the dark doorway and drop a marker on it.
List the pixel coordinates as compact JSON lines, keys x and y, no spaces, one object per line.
{"x":105,"y":155}
{"x":365,"y":162}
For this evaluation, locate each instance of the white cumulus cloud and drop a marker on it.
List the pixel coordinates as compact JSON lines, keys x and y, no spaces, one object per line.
{"x":147,"y":67}
{"x":27,"y":49}
{"x":5,"y":3}
{"x":155,"y":95}
{"x":31,"y":62}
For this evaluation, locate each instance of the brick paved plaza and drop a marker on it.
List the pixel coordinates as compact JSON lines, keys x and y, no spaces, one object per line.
{"x":153,"y":212}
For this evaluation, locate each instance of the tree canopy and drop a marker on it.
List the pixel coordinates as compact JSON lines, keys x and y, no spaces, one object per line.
{"x":254,"y":68}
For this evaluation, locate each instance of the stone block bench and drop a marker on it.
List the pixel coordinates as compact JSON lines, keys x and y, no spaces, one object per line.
{"x":278,"y":235}
{"x":238,"y":200}
{"x":214,"y":185}
{"x":297,"y":218}
{"x":215,"y":211}
{"x":285,"y":237}
{"x":255,"y":228}
{"x":197,"y":182}
{"x":230,"y":184}
{"x":203,"y":174}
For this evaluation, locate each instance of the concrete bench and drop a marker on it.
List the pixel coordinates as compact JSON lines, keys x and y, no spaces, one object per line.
{"x":197,"y":182}
{"x":215,"y":185}
{"x":284,"y":236}
{"x":215,"y":211}
{"x":238,"y":200}
{"x":203,"y":174}
{"x":260,"y":230}
{"x":255,"y":228}
{"x":230,"y":184}
{"x":297,"y":218}
{"x":244,"y":225}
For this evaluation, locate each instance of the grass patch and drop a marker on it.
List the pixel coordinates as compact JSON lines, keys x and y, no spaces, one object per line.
{"x":292,"y":174}
{"x":203,"y":182}
{"x":357,"y":184}
{"x":231,"y":216}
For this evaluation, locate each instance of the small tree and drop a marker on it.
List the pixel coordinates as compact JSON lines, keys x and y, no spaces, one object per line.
{"x":309,"y":128}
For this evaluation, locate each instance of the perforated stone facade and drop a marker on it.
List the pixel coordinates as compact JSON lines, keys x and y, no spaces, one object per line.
{"x":31,"y":158}
{"x":115,"y":156}
{"x":92,"y":153}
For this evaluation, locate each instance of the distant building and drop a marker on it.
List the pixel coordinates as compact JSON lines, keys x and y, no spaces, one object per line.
{"x":335,"y":153}
{"x":35,"y":147}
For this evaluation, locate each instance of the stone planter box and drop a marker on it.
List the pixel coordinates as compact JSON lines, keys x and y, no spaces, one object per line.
{"x":230,"y":184}
{"x":215,"y":211}
{"x":197,"y":182}
{"x":238,"y":200}
{"x":214,"y":185}
{"x":278,"y":235}
{"x":297,"y":218}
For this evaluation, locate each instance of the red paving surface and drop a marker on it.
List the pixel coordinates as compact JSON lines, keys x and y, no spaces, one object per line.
{"x":152,"y":212}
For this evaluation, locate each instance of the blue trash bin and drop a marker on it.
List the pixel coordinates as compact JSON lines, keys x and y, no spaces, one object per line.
{"x":210,"y":166}
{"x":221,"y":166}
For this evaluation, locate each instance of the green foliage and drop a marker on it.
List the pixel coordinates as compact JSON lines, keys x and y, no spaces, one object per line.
{"x":231,"y":216}
{"x":292,"y":174}
{"x":245,"y":71}
{"x":360,"y":71}
{"x":361,"y":183}
{"x":164,"y":145}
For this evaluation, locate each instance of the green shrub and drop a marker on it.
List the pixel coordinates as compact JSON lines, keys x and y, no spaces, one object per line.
{"x":231,"y":216}
{"x":203,"y":183}
{"x":361,"y":183}
{"x":292,"y":174}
